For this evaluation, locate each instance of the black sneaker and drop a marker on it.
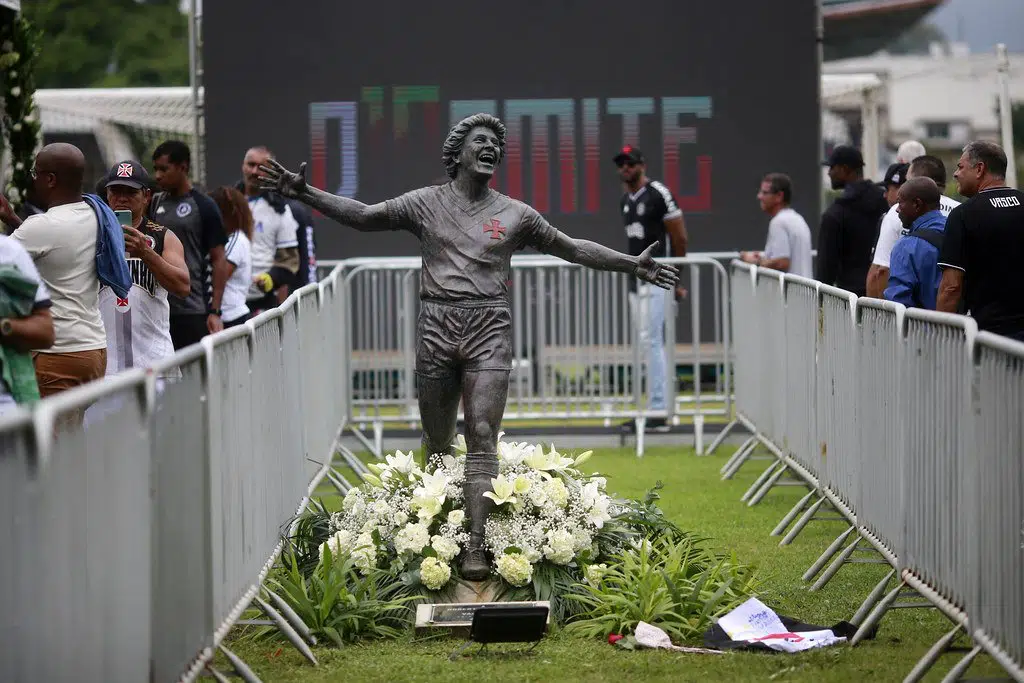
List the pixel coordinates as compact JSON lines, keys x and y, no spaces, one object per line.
{"x":658,"y":425}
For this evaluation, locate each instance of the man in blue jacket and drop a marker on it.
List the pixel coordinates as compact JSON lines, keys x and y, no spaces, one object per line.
{"x":914,"y":273}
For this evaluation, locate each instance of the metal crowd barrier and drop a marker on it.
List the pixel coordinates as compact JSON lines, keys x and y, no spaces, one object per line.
{"x":920,"y":440}
{"x":579,"y":344}
{"x":133,"y":541}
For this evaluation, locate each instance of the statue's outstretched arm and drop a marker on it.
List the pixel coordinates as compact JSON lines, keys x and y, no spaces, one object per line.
{"x":600,"y":257}
{"x":350,"y":212}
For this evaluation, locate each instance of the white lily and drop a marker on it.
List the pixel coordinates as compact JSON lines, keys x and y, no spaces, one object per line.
{"x":503,"y":491}
{"x":431,"y":486}
{"x":460,"y":444}
{"x":401,"y":462}
{"x":582,"y":458}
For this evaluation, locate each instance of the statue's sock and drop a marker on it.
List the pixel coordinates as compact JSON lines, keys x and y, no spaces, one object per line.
{"x":480,"y":469}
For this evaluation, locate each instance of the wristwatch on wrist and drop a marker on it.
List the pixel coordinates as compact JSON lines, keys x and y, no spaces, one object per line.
{"x":5,"y":327}
{"x":214,"y":311}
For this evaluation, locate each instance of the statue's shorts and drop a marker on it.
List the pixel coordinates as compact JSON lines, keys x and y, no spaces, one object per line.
{"x":466,"y":336}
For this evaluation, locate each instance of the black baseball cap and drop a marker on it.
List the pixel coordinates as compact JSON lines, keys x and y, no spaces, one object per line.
{"x":128,"y":173}
{"x":844,"y":155}
{"x":896,"y":175}
{"x":629,"y":153}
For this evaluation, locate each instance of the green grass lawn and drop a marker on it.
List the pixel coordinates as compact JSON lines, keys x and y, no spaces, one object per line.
{"x":696,"y":498}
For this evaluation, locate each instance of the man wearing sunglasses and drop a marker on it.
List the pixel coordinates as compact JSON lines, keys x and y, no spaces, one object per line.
{"x":651,"y":215}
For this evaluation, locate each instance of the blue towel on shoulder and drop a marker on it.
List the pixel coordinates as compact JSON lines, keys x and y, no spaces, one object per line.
{"x":111,"y":265}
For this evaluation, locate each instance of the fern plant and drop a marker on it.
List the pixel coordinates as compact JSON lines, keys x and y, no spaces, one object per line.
{"x":674,"y":583}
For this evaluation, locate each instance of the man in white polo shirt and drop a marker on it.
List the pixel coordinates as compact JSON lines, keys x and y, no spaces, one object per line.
{"x":62,"y":243}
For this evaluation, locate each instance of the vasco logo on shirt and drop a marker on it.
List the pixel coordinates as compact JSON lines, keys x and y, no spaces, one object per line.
{"x":183,"y":210}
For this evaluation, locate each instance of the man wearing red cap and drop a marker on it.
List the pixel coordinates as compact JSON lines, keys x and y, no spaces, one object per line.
{"x":651,"y":215}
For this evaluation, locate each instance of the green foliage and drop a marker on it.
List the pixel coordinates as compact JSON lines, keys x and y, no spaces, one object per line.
{"x":312,"y":529}
{"x":110,"y":43}
{"x":338,"y":603}
{"x":19,"y":51}
{"x":677,"y":584}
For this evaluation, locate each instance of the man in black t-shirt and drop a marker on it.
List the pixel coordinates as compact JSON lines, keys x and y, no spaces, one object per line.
{"x":197,"y":222}
{"x":651,"y":215}
{"x":980,"y":256}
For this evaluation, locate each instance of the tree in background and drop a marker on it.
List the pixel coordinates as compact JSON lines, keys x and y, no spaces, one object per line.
{"x":1017,"y":117}
{"x":19,"y":50}
{"x":110,"y":43}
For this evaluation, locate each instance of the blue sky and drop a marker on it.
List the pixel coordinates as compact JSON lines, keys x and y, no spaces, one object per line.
{"x":982,"y":23}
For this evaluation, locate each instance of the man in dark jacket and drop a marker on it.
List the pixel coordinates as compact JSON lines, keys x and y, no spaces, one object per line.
{"x":849,"y":227}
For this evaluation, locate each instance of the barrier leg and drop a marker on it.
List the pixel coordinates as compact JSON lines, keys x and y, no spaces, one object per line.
{"x":698,"y":434}
{"x":873,"y":597}
{"x":367,"y":444}
{"x":217,"y":675}
{"x":289,"y":632}
{"x":641,"y":426}
{"x":836,"y":564}
{"x":760,"y":480}
{"x":240,"y":667}
{"x":831,"y":550}
{"x":877,"y":613}
{"x":293,"y":618}
{"x":804,"y":520}
{"x":934,"y":652}
{"x":961,"y":667}
{"x":721,"y":437}
{"x":767,"y":486}
{"x":738,"y":458}
{"x":791,"y":515}
{"x":352,"y":461}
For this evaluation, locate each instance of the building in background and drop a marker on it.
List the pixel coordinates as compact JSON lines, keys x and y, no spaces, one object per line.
{"x":944,"y":98}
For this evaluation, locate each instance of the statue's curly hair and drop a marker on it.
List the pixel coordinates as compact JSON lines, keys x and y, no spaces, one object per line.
{"x":457,"y":136}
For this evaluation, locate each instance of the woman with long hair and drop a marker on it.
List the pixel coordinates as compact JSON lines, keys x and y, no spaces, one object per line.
{"x":238,"y":224}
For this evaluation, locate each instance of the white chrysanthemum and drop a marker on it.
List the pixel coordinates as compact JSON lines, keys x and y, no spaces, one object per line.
{"x":364,"y":554}
{"x":336,"y":543}
{"x":15,"y":91}
{"x":445,"y":548}
{"x":434,"y":573}
{"x":593,"y":573}
{"x":556,"y":492}
{"x":401,"y":518}
{"x":456,"y":517}
{"x":515,"y":569}
{"x":412,"y":538}
{"x":559,"y":548}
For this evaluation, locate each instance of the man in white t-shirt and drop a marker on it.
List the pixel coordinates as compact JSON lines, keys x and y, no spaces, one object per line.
{"x":275,"y":242}
{"x":892,"y":228}
{"x":62,"y":243}
{"x":788,"y":248}
{"x":33,"y":332}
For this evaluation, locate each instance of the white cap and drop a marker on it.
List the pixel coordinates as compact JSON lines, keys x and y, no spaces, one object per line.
{"x":908,"y":151}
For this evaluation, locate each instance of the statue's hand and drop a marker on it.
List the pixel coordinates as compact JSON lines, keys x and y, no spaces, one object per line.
{"x":660,"y":274}
{"x":276,"y":178}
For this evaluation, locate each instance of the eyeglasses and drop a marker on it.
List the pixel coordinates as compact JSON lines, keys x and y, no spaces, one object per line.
{"x":34,"y":172}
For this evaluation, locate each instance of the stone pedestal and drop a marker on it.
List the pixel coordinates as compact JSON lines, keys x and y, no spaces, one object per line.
{"x":476,"y":591}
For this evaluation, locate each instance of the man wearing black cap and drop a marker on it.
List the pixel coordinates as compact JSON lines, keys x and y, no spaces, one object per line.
{"x":651,"y":215}
{"x":893,"y":180}
{"x":138,"y":328}
{"x":850,"y":225}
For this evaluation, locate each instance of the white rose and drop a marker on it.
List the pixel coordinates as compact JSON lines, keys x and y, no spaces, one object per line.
{"x":456,"y":517}
{"x":401,"y":518}
{"x":19,"y":166}
{"x":16,"y":91}
{"x":16,"y":127}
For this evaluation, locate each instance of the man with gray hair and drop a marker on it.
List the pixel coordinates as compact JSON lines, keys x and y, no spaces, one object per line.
{"x":980,"y":257}
{"x":468,"y":233}
{"x":908,"y":151}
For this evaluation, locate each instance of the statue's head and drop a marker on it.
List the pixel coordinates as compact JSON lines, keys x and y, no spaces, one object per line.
{"x":476,"y":143}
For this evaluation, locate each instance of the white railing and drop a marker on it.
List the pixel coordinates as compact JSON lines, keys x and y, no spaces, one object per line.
{"x":918,"y":439}
{"x":134,"y":542}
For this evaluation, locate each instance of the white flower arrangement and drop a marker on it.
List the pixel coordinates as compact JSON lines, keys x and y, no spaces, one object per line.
{"x":412,"y":519}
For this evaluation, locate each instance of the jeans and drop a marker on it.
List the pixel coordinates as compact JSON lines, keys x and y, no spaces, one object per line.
{"x":648,"y":305}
